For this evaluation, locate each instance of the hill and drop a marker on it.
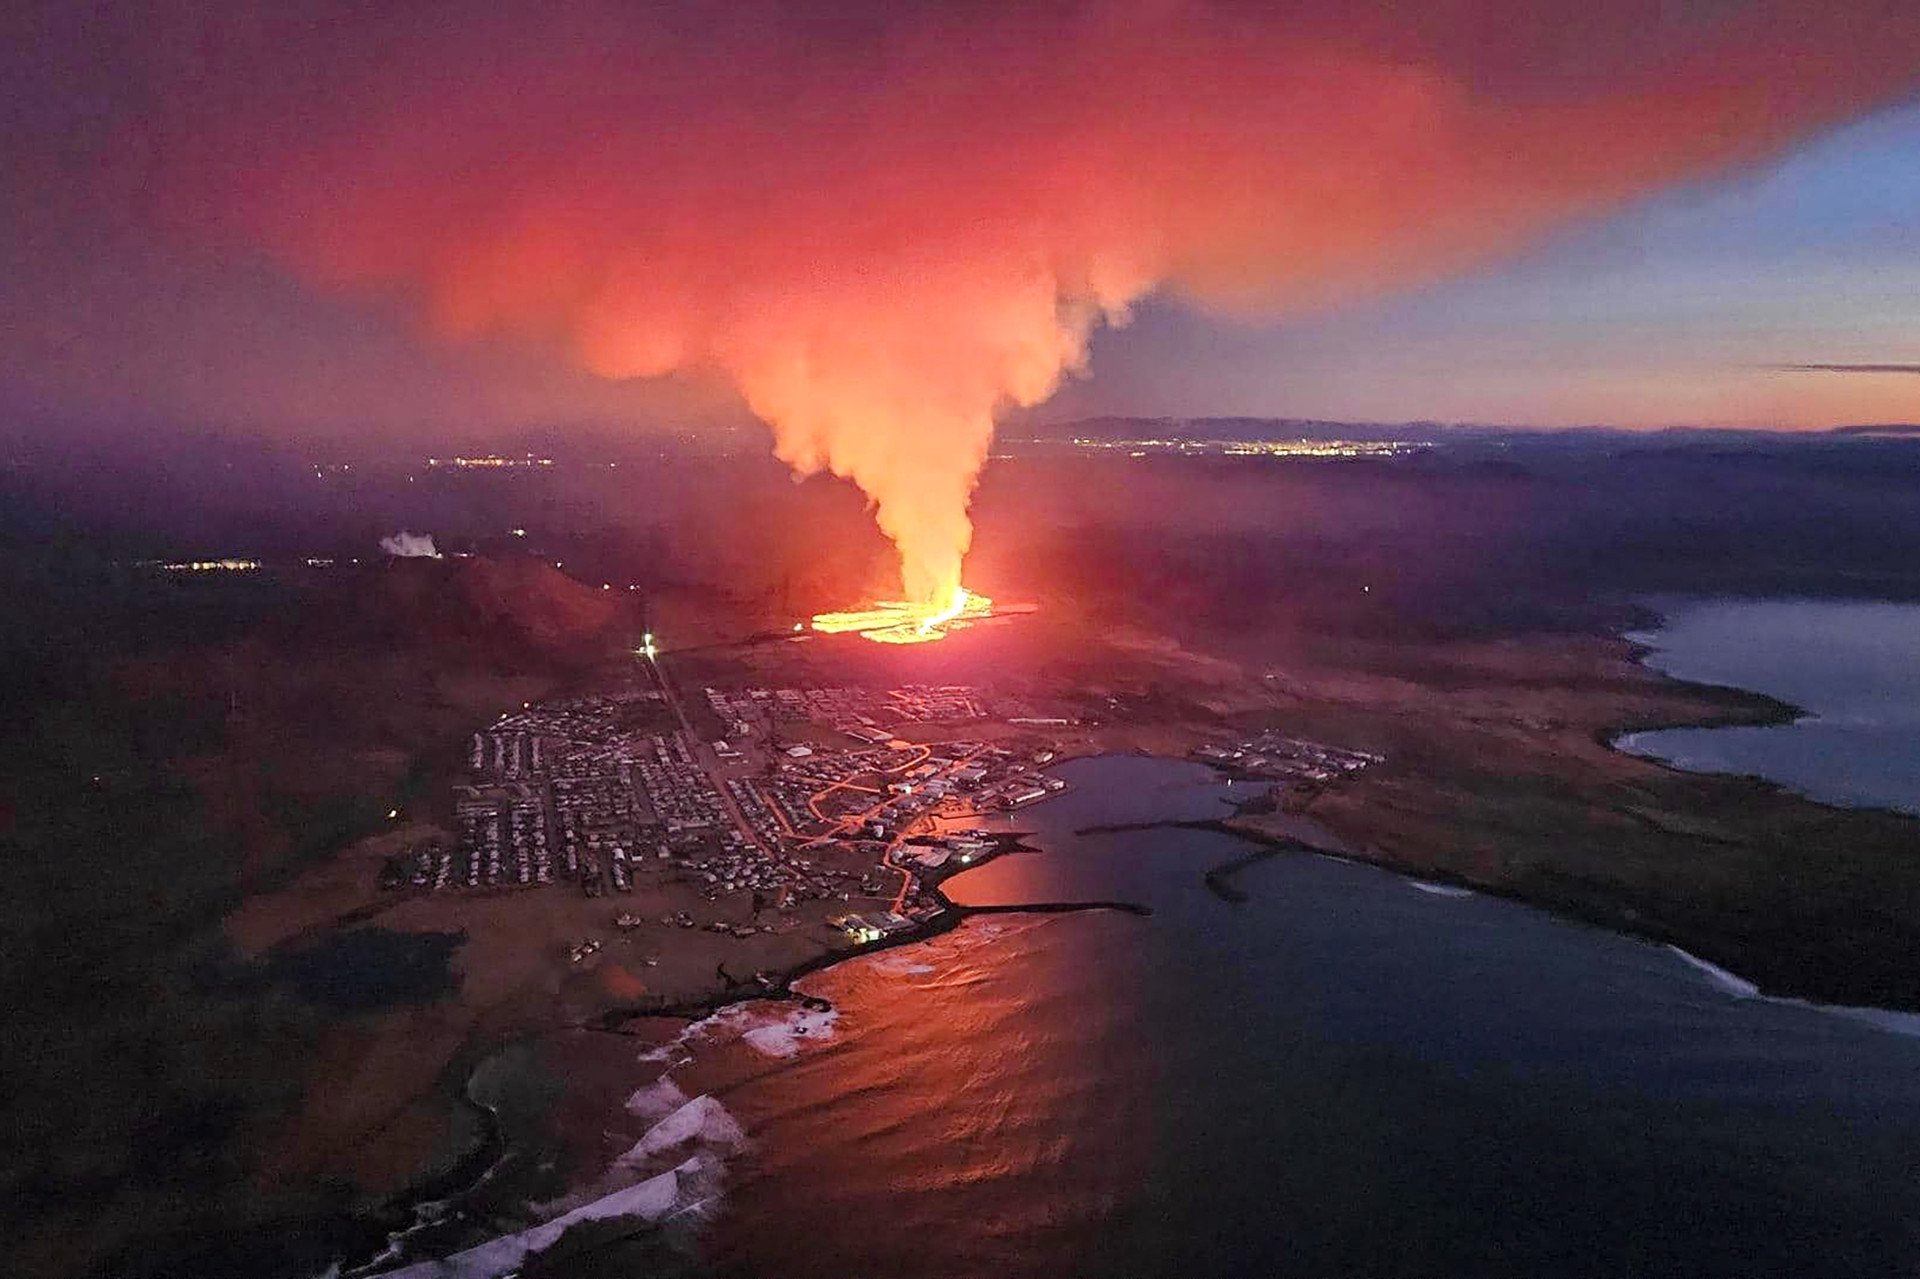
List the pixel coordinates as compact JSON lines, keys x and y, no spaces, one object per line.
{"x":495,"y":610}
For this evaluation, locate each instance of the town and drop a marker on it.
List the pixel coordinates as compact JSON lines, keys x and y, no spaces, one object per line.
{"x":811,"y":797}
{"x":776,"y":807}
{"x":1287,"y":759}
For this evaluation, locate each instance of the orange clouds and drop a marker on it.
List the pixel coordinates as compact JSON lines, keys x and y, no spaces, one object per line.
{"x":885,"y":225}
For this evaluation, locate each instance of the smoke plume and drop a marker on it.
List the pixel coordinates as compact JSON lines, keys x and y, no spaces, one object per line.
{"x":884,"y":225}
{"x":410,"y":546}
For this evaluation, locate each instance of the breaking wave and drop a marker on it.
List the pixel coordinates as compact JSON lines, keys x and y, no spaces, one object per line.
{"x":1891,"y":1020}
{"x":676,"y":1170}
{"x":689,"y":1185}
{"x":1735,"y":985}
{"x":702,"y":1121}
{"x":780,"y":1032}
{"x":657,"y":1100}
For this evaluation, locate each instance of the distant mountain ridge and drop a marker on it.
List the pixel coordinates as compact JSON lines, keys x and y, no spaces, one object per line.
{"x":1897,"y":430}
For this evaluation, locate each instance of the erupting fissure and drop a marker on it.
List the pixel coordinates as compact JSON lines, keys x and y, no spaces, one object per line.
{"x":883,"y":243}
{"x":901,"y":622}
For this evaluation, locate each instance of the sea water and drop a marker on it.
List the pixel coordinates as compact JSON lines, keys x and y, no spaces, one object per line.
{"x":1853,"y":667}
{"x":1346,"y":1074}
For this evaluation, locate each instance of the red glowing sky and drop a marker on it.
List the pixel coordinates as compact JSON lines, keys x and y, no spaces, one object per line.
{"x":279,"y":216}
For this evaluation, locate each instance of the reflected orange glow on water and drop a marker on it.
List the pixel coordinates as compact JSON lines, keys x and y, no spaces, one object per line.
{"x":967,"y":1080}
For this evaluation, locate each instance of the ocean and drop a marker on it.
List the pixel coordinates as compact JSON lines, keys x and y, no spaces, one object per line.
{"x":1346,"y":1074}
{"x":1852,"y":666}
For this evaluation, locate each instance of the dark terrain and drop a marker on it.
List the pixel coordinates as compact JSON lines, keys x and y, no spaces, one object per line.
{"x":176,"y":742}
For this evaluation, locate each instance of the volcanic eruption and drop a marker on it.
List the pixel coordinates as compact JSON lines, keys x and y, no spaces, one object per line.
{"x":885,"y":224}
{"x":907,"y":622}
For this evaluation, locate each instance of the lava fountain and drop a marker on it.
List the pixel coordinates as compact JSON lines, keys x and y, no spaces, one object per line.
{"x":885,"y":228}
{"x":902,"y":622}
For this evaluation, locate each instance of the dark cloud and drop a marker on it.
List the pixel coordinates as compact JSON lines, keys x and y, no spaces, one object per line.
{"x":1845,"y":368}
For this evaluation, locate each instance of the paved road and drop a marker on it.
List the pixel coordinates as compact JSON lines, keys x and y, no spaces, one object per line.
{"x":703,"y":752}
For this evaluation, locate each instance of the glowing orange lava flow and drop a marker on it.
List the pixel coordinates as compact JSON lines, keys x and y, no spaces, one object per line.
{"x":898,"y":622}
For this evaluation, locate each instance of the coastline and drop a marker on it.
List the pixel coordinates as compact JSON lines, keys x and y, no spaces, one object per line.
{"x":1783,"y":713}
{"x":1658,"y":696}
{"x":779,"y":987}
{"x":1893,"y":1020}
{"x":475,"y":1169}
{"x":1741,"y":870}
{"x":1619,"y":919}
{"x":1269,"y":844}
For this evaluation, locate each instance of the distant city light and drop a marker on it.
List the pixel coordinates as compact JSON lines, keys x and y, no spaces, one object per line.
{"x":1252,"y":448}
{"x":213,"y":566}
{"x":490,"y":461}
